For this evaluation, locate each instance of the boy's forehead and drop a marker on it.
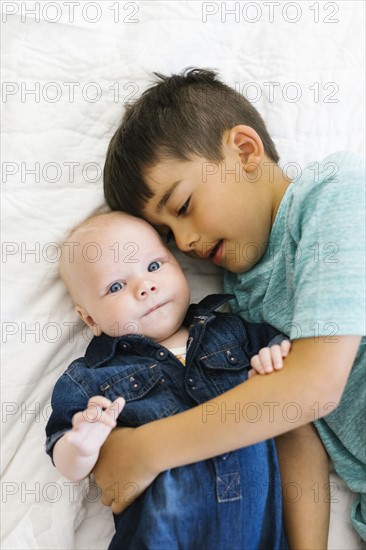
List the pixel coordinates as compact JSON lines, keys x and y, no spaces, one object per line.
{"x":167,"y":170}
{"x":166,"y":174}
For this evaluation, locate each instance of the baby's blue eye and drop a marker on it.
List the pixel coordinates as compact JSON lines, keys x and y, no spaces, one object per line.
{"x":115,"y":287}
{"x":154,"y":266}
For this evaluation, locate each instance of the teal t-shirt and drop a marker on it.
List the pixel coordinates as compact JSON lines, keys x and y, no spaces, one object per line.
{"x":311,"y":283}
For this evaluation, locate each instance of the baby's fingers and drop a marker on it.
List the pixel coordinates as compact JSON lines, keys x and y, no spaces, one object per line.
{"x":269,"y":357}
{"x":285,"y":347}
{"x":101,"y":409}
{"x":115,"y":408}
{"x":99,"y":401}
{"x":78,"y":419}
{"x":95,"y":411}
{"x":276,"y":357}
{"x":256,"y":365}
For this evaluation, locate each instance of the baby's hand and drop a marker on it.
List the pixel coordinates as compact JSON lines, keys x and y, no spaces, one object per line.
{"x":91,"y":427}
{"x":269,"y":359}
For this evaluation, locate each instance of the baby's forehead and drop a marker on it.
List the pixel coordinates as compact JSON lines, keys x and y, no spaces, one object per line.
{"x":122,"y":228}
{"x":104,"y":222}
{"x":112,"y":232}
{"x":107,"y":237}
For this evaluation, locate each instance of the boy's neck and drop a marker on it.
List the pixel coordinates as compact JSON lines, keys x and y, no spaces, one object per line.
{"x":279,"y":183}
{"x":176,"y":340}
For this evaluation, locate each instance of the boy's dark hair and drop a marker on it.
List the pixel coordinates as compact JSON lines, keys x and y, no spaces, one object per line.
{"x":182,"y":115}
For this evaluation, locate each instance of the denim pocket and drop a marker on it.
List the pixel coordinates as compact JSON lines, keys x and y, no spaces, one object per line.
{"x":226,"y":368}
{"x":146,"y":392}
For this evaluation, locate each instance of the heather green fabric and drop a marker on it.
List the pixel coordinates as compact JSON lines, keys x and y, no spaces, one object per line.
{"x":311,"y":283}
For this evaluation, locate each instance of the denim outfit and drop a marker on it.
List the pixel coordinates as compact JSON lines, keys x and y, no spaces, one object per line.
{"x":230,"y":502}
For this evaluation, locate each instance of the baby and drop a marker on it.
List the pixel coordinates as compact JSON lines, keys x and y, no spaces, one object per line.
{"x":154,"y":355}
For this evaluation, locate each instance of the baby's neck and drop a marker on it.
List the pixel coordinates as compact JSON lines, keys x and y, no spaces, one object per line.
{"x":176,"y":340}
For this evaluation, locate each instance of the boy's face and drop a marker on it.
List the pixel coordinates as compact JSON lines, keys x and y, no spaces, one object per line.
{"x":214,"y":210}
{"x":126,"y":281}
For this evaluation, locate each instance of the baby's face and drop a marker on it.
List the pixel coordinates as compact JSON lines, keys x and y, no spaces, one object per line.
{"x":126,"y":281}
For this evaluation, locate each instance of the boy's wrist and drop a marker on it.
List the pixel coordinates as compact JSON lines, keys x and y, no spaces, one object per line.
{"x":146,"y":441}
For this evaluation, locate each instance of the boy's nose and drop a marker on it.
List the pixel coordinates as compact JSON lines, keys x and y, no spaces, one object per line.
{"x":186,"y":240}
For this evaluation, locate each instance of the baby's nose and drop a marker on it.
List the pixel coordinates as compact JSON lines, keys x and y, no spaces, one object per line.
{"x":145,"y":288}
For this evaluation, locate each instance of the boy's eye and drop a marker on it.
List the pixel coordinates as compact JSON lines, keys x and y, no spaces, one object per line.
{"x":154,"y":266}
{"x":115,"y":287}
{"x":183,"y":209}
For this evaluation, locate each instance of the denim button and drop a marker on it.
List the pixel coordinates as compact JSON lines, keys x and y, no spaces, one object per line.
{"x":231,"y":358}
{"x":134,"y":384}
{"x":161,"y":354}
{"x":125,"y":346}
{"x":191,"y":383}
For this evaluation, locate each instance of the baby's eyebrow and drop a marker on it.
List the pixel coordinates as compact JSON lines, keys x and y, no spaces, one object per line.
{"x":167,"y":195}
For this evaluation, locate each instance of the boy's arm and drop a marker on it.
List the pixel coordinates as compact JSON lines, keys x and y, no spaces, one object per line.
{"x":76,"y":452}
{"x":315,"y":377}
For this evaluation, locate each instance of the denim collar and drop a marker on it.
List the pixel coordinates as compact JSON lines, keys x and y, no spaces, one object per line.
{"x":103,"y":348}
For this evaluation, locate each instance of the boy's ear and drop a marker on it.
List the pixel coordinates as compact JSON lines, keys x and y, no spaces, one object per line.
{"x":247,"y":143}
{"x":88,"y":320}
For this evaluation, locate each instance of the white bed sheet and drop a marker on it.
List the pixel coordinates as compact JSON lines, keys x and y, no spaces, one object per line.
{"x":66,"y":78}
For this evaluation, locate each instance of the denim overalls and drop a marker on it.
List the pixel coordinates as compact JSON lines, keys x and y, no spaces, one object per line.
{"x":230,"y":502}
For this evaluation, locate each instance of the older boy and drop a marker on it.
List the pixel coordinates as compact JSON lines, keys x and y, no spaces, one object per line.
{"x":194,"y":158}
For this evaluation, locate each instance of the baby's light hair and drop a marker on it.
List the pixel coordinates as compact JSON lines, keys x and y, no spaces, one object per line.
{"x":67,"y":258}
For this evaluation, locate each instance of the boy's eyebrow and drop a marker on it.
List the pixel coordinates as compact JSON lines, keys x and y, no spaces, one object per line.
{"x":167,"y":195}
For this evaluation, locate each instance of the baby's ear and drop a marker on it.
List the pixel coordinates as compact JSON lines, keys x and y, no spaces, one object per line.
{"x":88,"y":320}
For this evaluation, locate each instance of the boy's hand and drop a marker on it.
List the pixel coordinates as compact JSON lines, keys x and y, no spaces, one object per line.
{"x":91,"y":427}
{"x":122,"y":470}
{"x":269,"y":359}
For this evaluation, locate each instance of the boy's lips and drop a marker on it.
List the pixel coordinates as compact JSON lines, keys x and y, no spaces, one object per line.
{"x":215,"y":252}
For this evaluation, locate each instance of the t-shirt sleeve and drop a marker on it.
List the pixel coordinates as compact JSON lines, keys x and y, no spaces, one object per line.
{"x":258,"y":336}
{"x":327,"y":224}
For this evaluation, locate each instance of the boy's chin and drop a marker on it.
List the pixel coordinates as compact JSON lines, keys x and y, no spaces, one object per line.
{"x":238,"y":267}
